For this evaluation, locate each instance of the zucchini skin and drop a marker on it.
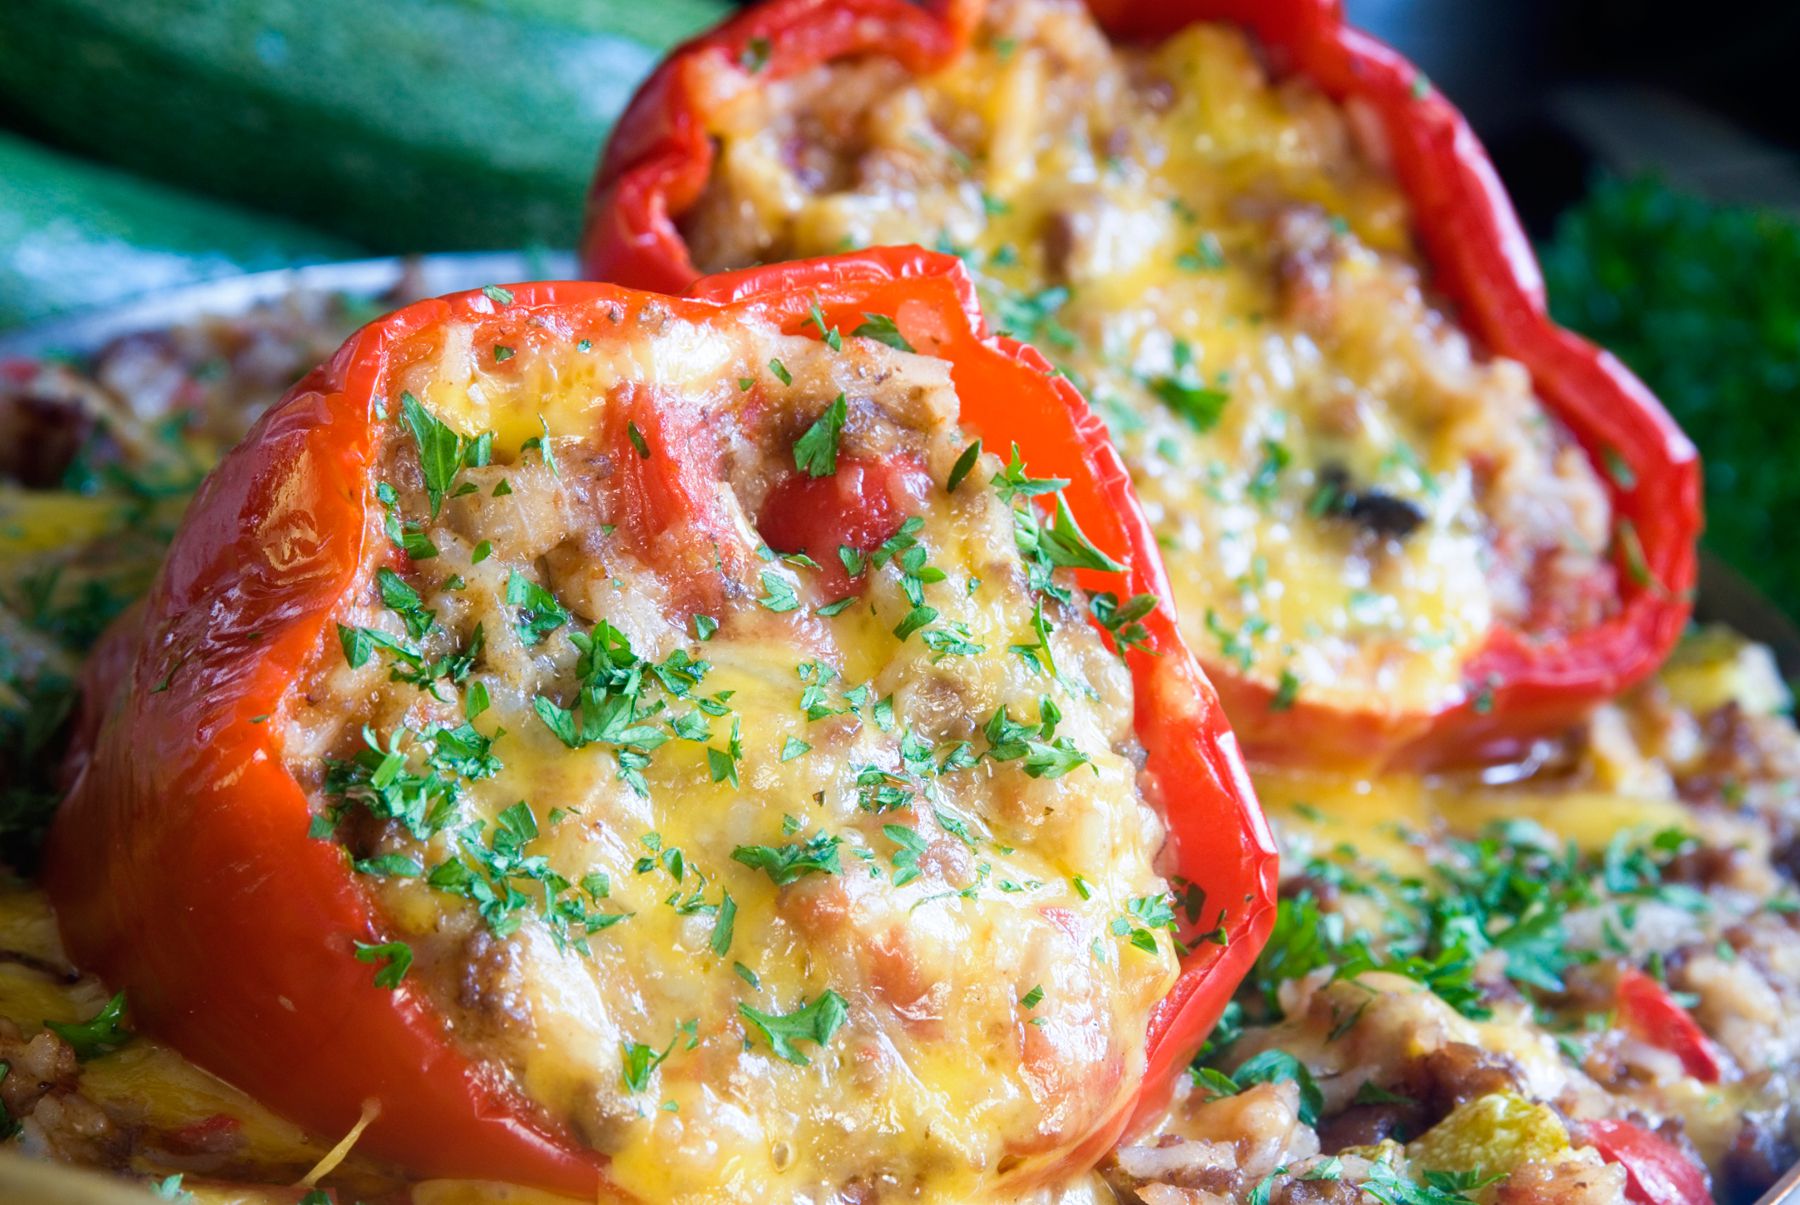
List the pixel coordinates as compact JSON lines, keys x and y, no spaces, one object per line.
{"x":403,"y":125}
{"x":75,"y":234}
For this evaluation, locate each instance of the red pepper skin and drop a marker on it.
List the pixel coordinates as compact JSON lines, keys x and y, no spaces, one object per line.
{"x":1647,"y":1011}
{"x":1517,"y":687}
{"x":180,"y":865}
{"x":1656,"y":1171}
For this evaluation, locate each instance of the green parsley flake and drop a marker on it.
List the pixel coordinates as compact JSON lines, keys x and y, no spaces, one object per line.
{"x":396,"y":959}
{"x":540,"y":614}
{"x":882,"y":329}
{"x":778,"y":593}
{"x":792,"y":860}
{"x":816,"y":451}
{"x":440,"y":449}
{"x":816,"y":1023}
{"x":637,"y":440}
{"x":102,"y":1033}
{"x":965,"y":464}
{"x":755,"y":55}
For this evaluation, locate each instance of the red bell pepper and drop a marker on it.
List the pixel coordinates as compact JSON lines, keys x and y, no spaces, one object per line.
{"x":1648,"y":1012}
{"x":1517,"y":686}
{"x":1656,"y":1171}
{"x":181,"y":867}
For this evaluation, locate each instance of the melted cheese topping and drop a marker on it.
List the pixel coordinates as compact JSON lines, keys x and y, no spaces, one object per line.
{"x":1349,"y":498}
{"x":804,"y":921}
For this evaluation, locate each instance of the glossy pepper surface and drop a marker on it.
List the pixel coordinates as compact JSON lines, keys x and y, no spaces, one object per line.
{"x":1516,"y":686}
{"x":181,"y":865}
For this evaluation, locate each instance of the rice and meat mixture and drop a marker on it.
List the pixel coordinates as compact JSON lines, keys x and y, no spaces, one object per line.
{"x":1446,"y":991}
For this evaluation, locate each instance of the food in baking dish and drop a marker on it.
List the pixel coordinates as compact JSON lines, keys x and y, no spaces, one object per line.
{"x":1700,"y":756}
{"x":1561,"y":980}
{"x":1395,"y":531}
{"x":650,"y":742}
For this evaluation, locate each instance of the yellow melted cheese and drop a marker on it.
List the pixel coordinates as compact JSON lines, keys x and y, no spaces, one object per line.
{"x":1229,"y":278}
{"x":992,"y":985}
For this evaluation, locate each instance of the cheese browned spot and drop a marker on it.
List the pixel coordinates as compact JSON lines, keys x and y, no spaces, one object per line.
{"x":1349,"y":494}
{"x":743,"y":869}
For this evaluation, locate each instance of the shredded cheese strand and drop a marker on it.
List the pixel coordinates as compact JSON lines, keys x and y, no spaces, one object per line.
{"x":324,"y":1167}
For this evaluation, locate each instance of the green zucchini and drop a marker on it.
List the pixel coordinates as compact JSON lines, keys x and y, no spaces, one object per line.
{"x":404,"y":125}
{"x":74,"y":234}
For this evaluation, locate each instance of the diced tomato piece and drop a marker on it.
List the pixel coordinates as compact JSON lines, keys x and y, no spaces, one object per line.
{"x":1656,"y":1171}
{"x":665,"y":500}
{"x":860,"y":506}
{"x":1648,"y":1012}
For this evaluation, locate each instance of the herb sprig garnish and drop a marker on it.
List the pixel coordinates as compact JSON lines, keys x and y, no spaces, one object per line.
{"x":1506,"y":892}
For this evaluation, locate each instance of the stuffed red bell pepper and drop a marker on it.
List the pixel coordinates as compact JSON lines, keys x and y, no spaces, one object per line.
{"x":670,"y":743}
{"x":1407,"y":519}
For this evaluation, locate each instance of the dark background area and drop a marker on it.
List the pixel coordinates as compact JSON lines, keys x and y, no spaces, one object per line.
{"x":1704,"y":95}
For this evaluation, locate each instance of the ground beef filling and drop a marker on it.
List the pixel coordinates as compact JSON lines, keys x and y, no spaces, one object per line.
{"x":745,"y":795}
{"x":1349,"y":495}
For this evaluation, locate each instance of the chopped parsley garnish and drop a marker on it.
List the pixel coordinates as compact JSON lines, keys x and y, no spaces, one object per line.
{"x":610,"y":707}
{"x":102,"y":1033}
{"x":358,"y":645}
{"x":1123,"y":621}
{"x":778,"y":593}
{"x":1183,"y":392}
{"x":395,"y":958}
{"x":405,"y":534}
{"x":1206,"y":255}
{"x":723,"y":763}
{"x":1041,"y":753}
{"x":781,"y":372}
{"x":905,"y":858}
{"x":639,"y":1061}
{"x":965,"y":464}
{"x":1278,"y":1066}
{"x":1265,"y":482}
{"x":1287,"y":689}
{"x":792,"y":860}
{"x":918,"y":617}
{"x":816,"y":1023}
{"x":637,"y":440}
{"x":816,"y":451}
{"x":1505,"y":893}
{"x":539,"y":612}
{"x":1062,"y":544}
{"x":881,"y":328}
{"x":390,"y":866}
{"x":829,"y":334}
{"x":1238,"y":646}
{"x":755,"y":55}
{"x":440,"y":449}
{"x":723,"y":924}
{"x":1031,"y":316}
{"x":497,"y":295}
